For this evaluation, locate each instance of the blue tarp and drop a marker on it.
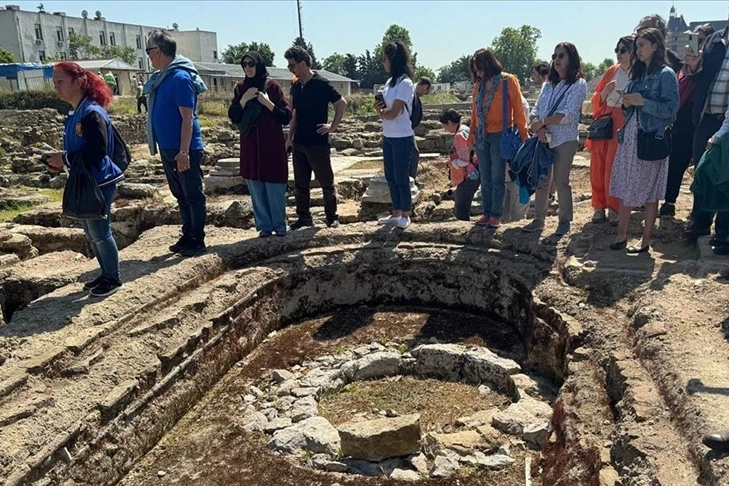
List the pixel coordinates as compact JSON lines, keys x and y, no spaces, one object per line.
{"x":11,"y":71}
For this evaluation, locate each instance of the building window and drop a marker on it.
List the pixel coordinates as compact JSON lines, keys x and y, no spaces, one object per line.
{"x":38,"y":32}
{"x":102,"y":38}
{"x":42,"y":56}
{"x":140,"y":61}
{"x":215,"y":55}
{"x":112,"y":39}
{"x":63,"y":55}
{"x":139,"y":42}
{"x":59,"y":35}
{"x":71,"y":31}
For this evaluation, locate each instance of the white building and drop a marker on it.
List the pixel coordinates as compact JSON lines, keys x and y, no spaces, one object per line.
{"x":37,"y":36}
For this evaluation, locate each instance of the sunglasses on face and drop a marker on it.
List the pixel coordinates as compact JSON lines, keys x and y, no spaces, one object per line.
{"x":621,"y":50}
{"x":248,"y":64}
{"x":561,"y":55}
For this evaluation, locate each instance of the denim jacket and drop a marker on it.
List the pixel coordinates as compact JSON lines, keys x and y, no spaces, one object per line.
{"x":660,"y":100}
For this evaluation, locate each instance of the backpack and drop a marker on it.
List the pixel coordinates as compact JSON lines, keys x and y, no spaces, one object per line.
{"x":417,"y":114}
{"x":120,"y":154}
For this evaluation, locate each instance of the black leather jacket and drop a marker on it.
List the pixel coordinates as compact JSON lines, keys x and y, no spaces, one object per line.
{"x":712,"y":58}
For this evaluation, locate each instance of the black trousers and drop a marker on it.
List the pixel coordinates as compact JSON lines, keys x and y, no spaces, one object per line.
{"x":702,"y":219}
{"x":681,"y":155}
{"x":142,"y":102}
{"x":316,"y":159}
{"x":414,"y":160}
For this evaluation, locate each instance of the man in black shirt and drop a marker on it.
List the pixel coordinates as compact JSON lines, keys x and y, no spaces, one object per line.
{"x":309,"y":136}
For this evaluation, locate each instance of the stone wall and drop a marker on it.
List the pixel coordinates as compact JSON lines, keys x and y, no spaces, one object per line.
{"x":30,"y":127}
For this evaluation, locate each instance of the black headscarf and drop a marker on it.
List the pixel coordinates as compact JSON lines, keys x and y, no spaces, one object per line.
{"x":259,"y":80}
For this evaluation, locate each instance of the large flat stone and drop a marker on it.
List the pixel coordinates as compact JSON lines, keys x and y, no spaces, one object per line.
{"x":379,"y":439}
{"x":444,"y":361}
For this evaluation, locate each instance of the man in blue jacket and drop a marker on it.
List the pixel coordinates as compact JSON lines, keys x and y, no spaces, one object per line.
{"x":173,"y":126}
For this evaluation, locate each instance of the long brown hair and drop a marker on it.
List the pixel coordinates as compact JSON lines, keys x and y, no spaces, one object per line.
{"x":484,"y":60}
{"x":658,"y":61}
{"x":575,"y":70}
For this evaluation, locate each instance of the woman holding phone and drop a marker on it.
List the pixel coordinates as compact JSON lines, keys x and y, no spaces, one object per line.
{"x":394,"y":106}
{"x":606,"y":102}
{"x":651,"y":102}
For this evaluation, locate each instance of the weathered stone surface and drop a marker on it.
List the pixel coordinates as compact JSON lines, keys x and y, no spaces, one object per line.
{"x":315,"y":434}
{"x":255,"y":422}
{"x":443,"y":361}
{"x":366,"y":468}
{"x":420,"y":463}
{"x":524,"y":414}
{"x":495,"y":462}
{"x":477,"y":419}
{"x":377,"y":365}
{"x":131,"y":190}
{"x":445,"y":465}
{"x":279,"y":376}
{"x":324,"y":381}
{"x":304,"y":408}
{"x":405,"y":475}
{"x":463,"y":443}
{"x":375,"y":440}
{"x":48,"y":240}
{"x":277,"y":424}
{"x":482,"y":364}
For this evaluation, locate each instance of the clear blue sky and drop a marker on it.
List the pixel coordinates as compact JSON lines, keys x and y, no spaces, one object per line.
{"x":441,"y":31}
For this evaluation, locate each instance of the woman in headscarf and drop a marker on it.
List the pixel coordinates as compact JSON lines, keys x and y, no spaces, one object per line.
{"x":263,"y":161}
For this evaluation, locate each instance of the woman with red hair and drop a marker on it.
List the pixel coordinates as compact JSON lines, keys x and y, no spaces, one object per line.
{"x":88,"y":139}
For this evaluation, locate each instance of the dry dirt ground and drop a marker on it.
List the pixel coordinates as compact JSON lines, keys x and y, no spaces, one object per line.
{"x":646,"y":376}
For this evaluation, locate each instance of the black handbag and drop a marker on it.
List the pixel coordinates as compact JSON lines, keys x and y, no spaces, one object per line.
{"x":249,"y":117}
{"x":652,"y":146}
{"x":601,"y":128}
{"x":82,"y":198}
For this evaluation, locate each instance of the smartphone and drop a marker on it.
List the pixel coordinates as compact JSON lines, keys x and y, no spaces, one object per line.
{"x":693,"y":43}
{"x":379,"y":98}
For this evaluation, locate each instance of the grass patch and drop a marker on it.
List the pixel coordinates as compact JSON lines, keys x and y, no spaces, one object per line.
{"x":440,"y":99}
{"x":440,"y":403}
{"x":123,"y":105}
{"x":368,"y":164}
{"x":210,"y":121}
{"x":12,"y":209}
{"x":56,"y":195}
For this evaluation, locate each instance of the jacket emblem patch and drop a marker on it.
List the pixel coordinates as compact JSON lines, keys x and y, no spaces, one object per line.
{"x":79,"y":130}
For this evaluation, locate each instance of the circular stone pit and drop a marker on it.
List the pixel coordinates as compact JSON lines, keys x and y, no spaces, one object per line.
{"x":394,"y":444}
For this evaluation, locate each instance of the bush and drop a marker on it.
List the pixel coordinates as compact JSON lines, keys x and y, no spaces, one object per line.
{"x":32,"y":100}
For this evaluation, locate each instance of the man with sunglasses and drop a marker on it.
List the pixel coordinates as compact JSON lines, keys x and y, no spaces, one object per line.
{"x":309,"y":136}
{"x":172,"y":125}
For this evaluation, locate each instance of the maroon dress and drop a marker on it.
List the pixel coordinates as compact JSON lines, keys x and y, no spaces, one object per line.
{"x":263,"y":152}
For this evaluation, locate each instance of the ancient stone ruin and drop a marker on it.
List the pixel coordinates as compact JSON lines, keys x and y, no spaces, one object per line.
{"x":443,"y":354}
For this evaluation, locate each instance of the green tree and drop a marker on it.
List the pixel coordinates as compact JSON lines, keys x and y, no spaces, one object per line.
{"x":516,"y":49}
{"x":6,"y":56}
{"x":127,"y":54}
{"x":352,"y":67}
{"x":299,"y":41}
{"x":336,"y":63}
{"x":424,"y":72}
{"x":81,"y":47}
{"x":234,"y":53}
{"x":457,"y":71}
{"x":604,"y":65}
{"x":589,"y":70}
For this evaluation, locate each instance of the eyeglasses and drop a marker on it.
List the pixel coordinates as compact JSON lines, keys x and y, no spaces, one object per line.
{"x":622,"y":50}
{"x":246,"y":64}
{"x":561,"y":55}
{"x":150,"y":49}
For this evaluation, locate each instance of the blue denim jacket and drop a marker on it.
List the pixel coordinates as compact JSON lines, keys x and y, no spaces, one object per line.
{"x":660,"y":100}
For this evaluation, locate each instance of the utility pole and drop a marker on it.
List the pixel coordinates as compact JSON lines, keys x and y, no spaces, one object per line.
{"x":301,"y":29}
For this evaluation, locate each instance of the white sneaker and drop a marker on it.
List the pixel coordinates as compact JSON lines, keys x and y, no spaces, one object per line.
{"x":389,"y":220}
{"x":404,"y":222}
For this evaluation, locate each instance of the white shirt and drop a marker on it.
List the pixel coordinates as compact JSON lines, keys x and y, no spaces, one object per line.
{"x":400,"y":126}
{"x":621,"y":78}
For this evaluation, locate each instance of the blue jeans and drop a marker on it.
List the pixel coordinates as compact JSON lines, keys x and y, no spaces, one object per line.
{"x":187,"y":187}
{"x":493,"y":175}
{"x":98,"y":233}
{"x":396,"y":155}
{"x":269,"y":205}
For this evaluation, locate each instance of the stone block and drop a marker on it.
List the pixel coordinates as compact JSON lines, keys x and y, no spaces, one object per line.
{"x":375,"y":440}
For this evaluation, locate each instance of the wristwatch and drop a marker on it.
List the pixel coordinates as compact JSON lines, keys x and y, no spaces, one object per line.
{"x":183,"y":152}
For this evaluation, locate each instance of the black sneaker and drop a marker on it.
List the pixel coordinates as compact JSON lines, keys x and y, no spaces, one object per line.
{"x":300,"y":223}
{"x":333,"y":222}
{"x":181,"y":243}
{"x":93,"y":283}
{"x":106,"y":287}
{"x":193,"y":248}
{"x":694,"y":234}
{"x":667,"y":209}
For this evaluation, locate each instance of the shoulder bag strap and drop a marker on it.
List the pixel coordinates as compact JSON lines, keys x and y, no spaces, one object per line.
{"x":505,"y":103}
{"x":559,"y":100}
